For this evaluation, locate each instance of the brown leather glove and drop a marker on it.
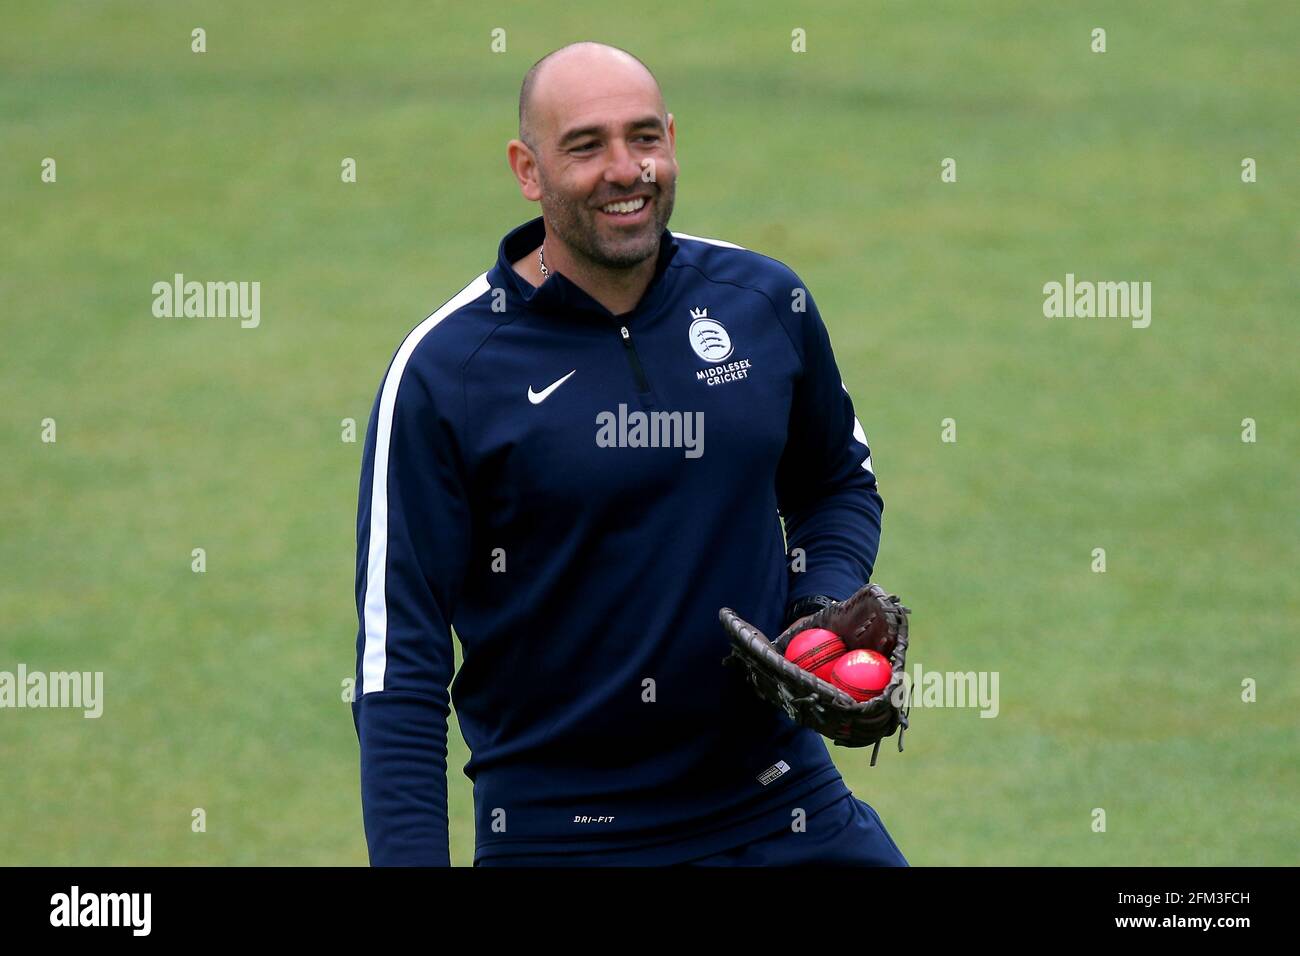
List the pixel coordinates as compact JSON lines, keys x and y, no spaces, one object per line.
{"x":871,"y":619}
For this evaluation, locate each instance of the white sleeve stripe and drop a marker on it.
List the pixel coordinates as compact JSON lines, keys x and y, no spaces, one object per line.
{"x":375,"y":658}
{"x":859,"y":434}
{"x":712,"y":242}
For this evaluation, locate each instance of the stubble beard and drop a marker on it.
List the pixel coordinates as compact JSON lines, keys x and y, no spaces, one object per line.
{"x":576,"y":224}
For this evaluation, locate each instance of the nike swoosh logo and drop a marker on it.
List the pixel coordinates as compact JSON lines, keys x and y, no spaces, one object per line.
{"x":538,"y":397}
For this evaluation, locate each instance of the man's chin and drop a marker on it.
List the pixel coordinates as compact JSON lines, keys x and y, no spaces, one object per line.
{"x":625,"y":255}
{"x":626,"y":261}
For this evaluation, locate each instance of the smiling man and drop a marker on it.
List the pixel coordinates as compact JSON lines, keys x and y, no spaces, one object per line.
{"x":601,"y":161}
{"x":524,"y":479}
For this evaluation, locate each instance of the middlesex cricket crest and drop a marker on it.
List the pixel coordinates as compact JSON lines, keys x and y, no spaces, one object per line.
{"x":708,"y":337}
{"x":712,"y":343}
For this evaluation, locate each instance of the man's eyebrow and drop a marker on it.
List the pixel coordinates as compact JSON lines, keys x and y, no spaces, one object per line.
{"x":595,"y":130}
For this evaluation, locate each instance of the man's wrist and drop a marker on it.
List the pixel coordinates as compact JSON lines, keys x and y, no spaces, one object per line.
{"x":802,"y":607}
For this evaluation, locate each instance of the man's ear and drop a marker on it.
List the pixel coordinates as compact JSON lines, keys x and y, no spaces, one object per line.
{"x":523,"y":163}
{"x":672,"y":144}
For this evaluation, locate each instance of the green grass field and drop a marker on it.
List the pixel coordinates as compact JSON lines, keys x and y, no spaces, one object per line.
{"x":223,"y":690}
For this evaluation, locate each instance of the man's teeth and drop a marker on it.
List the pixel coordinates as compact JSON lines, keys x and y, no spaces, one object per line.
{"x":624,"y":207}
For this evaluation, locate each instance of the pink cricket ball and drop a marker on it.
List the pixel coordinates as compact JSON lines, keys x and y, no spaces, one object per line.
{"x":861,"y":674}
{"x":816,"y":650}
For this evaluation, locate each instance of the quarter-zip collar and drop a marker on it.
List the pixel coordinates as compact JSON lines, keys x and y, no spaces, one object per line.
{"x":560,"y":295}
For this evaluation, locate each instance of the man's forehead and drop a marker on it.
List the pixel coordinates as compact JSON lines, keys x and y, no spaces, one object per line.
{"x":595,"y":107}
{"x":608,"y":119}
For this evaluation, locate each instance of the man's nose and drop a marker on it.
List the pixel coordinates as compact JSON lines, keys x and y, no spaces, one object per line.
{"x":623,"y":168}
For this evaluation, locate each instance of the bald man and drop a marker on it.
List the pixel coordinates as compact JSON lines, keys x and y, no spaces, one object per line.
{"x":604,"y":438}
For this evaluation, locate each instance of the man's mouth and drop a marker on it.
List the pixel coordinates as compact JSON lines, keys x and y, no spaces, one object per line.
{"x":627,"y":210}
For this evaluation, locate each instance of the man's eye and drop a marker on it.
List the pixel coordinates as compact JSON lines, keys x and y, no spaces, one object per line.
{"x":578,"y":149}
{"x":651,"y":136}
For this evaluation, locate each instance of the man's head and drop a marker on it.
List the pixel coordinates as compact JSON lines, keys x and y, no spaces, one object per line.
{"x":593,"y":130}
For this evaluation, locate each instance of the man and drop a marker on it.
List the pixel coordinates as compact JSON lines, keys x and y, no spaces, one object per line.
{"x":578,"y":460}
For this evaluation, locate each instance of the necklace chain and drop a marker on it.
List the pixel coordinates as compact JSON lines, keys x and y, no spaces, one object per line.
{"x":541,"y":259}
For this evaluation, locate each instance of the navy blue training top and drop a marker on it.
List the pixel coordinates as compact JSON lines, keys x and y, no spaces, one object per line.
{"x":579,"y":493}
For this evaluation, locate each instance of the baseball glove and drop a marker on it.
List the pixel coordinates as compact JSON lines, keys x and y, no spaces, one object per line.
{"x":871,"y":619}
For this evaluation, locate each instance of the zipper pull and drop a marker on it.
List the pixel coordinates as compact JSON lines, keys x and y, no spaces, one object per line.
{"x":641,"y":383}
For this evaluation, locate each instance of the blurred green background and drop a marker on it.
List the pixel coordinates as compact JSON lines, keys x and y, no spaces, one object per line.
{"x":224,"y":689}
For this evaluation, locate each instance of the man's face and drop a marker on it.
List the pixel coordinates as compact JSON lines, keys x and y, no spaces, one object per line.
{"x":611,"y":149}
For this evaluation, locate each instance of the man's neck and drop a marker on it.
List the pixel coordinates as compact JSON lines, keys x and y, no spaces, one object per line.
{"x":618,"y":290}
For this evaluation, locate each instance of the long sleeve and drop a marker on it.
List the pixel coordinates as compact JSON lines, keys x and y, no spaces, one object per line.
{"x":826,"y":490}
{"x":412,"y":547}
